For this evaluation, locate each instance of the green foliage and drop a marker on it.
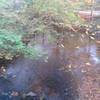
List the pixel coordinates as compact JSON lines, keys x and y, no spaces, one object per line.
{"x":11,"y":44}
{"x":28,"y":2}
{"x":11,"y":33}
{"x":40,"y":16}
{"x":37,"y":17}
{"x":54,"y":6}
{"x":5,"y":3}
{"x":9,"y":21}
{"x":65,"y":10}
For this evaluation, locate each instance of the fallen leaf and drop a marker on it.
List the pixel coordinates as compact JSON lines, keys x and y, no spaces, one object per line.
{"x":92,"y":38}
{"x":97,"y":41}
{"x":77,"y":47}
{"x":88,"y":63}
{"x":62,"y":45}
{"x":83,"y":71}
{"x":98,"y":26}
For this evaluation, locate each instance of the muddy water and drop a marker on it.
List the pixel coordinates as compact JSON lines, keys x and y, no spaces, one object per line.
{"x":60,"y":74}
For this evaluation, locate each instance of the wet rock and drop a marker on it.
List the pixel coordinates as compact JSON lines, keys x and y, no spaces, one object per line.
{"x":31,"y":96}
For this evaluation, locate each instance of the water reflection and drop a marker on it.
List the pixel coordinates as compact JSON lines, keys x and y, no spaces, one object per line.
{"x":93,"y":54}
{"x":44,"y":77}
{"x":58,"y":76}
{"x":91,"y":50}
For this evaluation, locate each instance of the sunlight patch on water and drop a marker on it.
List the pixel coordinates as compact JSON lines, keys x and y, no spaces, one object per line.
{"x":93,"y":54}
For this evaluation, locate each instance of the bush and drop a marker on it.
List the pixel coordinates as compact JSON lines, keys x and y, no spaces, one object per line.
{"x":11,"y":45}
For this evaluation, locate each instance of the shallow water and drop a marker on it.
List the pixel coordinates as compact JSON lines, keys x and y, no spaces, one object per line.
{"x":59,"y":75}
